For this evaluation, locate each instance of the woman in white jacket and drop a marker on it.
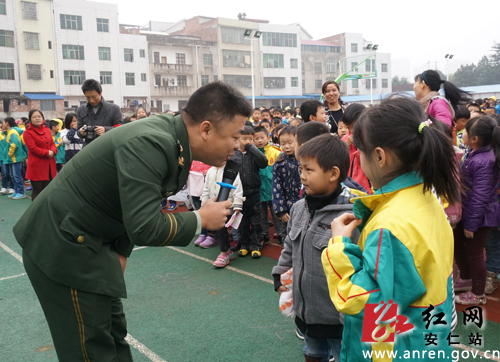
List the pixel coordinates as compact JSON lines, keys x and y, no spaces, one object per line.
{"x":208,"y":238}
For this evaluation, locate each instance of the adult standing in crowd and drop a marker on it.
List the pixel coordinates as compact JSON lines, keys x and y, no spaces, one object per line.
{"x":333,"y":104}
{"x":41,"y":168}
{"x":72,"y":141}
{"x":426,"y":87}
{"x":75,"y":252}
{"x":96,"y":116}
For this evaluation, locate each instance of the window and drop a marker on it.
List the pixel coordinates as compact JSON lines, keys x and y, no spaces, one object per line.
{"x":374,"y":83}
{"x":129,"y":78}
{"x":74,"y":77}
{"x":163,"y":60}
{"x":355,"y":83}
{"x":6,"y":38}
{"x":303,"y":84}
{"x":368,"y":66}
{"x":181,"y":81}
{"x":50,"y":44}
{"x":51,"y":74}
{"x":103,"y":25}
{"x":31,"y":40}
{"x":320,"y":48}
{"x":158,"y":79}
{"x":385,"y":83}
{"x":158,"y":105}
{"x":234,"y":35}
{"x":207,"y":60}
{"x":317,"y":67}
{"x":371,"y":83}
{"x":204,"y":80}
{"x":354,"y":66}
{"x":279,"y":39}
{"x":216,"y":78}
{"x":129,"y":55}
{"x":303,"y":67}
{"x":73,"y":52}
{"x":274,"y":61}
{"x":71,"y":22}
{"x":384,"y":68}
{"x":236,"y":58}
{"x":7,"y":71}
{"x":354,"y":47}
{"x":152,"y":104}
{"x":3,"y":10}
{"x":373,"y":65}
{"x":106,"y":78}
{"x":156,"y":57}
{"x":242,"y":81}
{"x":318,"y":83}
{"x":180,"y":58}
{"x":294,"y":63}
{"x":142,"y":53}
{"x":295,"y":81}
{"x":29,"y":10}
{"x":66,"y":104}
{"x":143,"y":77}
{"x":330,"y":65}
{"x":104,"y":53}
{"x":34,"y":71}
{"x":274,"y":82}
{"x":47,"y":105}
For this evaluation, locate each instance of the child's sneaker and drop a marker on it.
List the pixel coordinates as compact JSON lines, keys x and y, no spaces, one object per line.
{"x":243,"y":252}
{"x":11,"y":196}
{"x":280,"y":240}
{"x":235,"y":245}
{"x":223,"y":260}
{"x":462,"y":285}
{"x":200,"y":239}
{"x":209,"y":242}
{"x":19,"y":197}
{"x":493,"y":276}
{"x":469,"y":298}
{"x":11,"y":191}
{"x":4,"y":191}
{"x":29,"y":188}
{"x":490,"y":286}
{"x":256,"y":254}
{"x":266,"y":240}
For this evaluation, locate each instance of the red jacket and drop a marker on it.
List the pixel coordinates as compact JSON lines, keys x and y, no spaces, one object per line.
{"x":355,"y":171}
{"x":39,"y":142}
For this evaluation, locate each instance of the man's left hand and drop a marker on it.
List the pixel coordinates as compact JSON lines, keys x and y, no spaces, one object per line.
{"x":99,"y":130}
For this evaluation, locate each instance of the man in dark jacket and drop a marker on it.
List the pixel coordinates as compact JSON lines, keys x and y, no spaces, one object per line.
{"x":97,"y":116}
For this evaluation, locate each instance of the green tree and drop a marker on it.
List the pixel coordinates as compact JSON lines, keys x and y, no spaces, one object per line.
{"x":487,"y":70}
{"x":400,"y":81}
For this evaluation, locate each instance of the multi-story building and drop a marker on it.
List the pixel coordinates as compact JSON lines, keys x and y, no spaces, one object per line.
{"x":280,"y":56}
{"x":178,"y":65}
{"x":320,"y":61}
{"x":354,"y":50}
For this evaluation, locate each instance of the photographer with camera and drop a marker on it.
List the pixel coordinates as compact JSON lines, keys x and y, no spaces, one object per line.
{"x":97,"y":116}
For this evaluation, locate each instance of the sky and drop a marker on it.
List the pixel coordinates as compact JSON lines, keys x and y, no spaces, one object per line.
{"x":422,"y":31}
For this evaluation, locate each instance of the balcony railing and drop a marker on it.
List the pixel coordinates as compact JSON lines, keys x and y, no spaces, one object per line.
{"x":172,"y":91}
{"x":163,"y":68}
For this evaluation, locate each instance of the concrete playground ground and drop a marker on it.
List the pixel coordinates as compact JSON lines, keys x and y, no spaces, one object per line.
{"x":181,"y":308}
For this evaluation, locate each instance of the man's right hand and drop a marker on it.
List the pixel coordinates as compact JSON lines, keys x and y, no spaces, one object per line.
{"x":83,"y":131}
{"x":214,"y":214}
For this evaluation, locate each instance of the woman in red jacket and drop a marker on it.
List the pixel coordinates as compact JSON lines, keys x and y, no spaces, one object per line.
{"x":41,"y":167}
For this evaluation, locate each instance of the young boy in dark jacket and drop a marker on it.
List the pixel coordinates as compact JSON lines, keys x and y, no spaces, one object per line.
{"x":286,"y":178}
{"x":324,"y":163}
{"x":251,"y":162}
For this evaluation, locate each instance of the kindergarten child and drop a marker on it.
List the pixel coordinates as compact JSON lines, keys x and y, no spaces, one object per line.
{"x":405,"y":252}
{"x":343,"y":130}
{"x":286,"y":179}
{"x":313,"y":111}
{"x":462,"y":116}
{"x":261,"y":140}
{"x":349,"y":118}
{"x":256,"y":114}
{"x":295,"y":121}
{"x":56,"y":136}
{"x":251,"y":161}
{"x":480,"y":208}
{"x":14,"y":156}
{"x":265,"y":114}
{"x":324,"y":162}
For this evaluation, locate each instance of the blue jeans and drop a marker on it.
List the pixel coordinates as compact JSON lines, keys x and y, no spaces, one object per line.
{"x":6,"y":180}
{"x":322,"y":347}
{"x":493,"y":251}
{"x":15,"y":174}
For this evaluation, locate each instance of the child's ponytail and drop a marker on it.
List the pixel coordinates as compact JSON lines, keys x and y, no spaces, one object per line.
{"x":400,"y":124}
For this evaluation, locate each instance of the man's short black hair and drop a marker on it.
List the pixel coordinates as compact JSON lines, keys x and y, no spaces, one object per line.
{"x":247,"y":131}
{"x":91,"y":84}
{"x":10,"y":121}
{"x":265,"y":121}
{"x":307,"y":131}
{"x":309,"y":108}
{"x":289,"y":130}
{"x":292,"y":111}
{"x":329,"y":151}
{"x":259,"y":129}
{"x":216,"y":102}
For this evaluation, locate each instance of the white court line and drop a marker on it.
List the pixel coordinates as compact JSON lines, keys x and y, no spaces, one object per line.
{"x":133,"y":342}
{"x":139,"y":248}
{"x":143,"y":349}
{"x":14,"y":276}
{"x":479,"y":353}
{"x":11,"y":252}
{"x":492,"y":298}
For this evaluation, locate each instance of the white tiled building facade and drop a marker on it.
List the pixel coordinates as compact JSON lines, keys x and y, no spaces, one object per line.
{"x":9,"y":61}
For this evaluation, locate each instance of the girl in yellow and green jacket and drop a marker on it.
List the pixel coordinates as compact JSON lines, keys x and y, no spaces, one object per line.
{"x":14,"y":158}
{"x":404,"y":256}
